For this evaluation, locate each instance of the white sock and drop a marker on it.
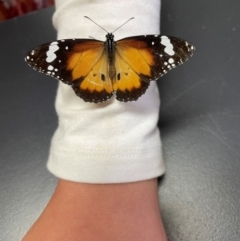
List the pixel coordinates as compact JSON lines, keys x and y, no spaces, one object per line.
{"x":110,"y":142}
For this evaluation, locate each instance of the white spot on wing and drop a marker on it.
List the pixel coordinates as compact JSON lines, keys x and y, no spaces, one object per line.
{"x":50,"y":67}
{"x":171,"y":60}
{"x":54,"y":43}
{"x":51,"y":56}
{"x":152,"y":43}
{"x":168,"y":46}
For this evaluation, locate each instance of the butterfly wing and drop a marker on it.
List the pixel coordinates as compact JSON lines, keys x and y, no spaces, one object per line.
{"x":141,"y":59}
{"x":80,"y":63}
{"x":129,"y":84}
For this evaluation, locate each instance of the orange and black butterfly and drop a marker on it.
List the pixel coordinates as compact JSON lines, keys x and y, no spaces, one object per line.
{"x":97,"y":70}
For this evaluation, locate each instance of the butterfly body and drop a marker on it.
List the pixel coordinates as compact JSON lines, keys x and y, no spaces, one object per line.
{"x":110,"y":49}
{"x":97,"y":70}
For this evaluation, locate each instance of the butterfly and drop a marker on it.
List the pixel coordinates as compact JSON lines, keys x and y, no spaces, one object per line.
{"x":97,"y":70}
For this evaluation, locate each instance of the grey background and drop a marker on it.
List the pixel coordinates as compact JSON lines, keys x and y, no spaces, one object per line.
{"x":200,"y":123}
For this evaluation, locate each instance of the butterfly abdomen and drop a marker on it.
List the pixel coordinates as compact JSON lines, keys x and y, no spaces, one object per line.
{"x":112,"y":71}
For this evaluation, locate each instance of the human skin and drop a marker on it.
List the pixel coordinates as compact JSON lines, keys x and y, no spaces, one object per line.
{"x":102,"y":212}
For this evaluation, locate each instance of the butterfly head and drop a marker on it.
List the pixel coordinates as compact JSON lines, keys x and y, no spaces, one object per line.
{"x":109,"y":36}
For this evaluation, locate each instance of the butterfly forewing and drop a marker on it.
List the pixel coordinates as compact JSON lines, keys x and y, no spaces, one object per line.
{"x":160,"y":54}
{"x":85,"y":64}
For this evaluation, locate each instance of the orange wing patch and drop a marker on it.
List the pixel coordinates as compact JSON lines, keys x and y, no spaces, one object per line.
{"x":126,"y":79}
{"x":97,"y":79}
{"x":83,"y":57}
{"x":137,"y":55}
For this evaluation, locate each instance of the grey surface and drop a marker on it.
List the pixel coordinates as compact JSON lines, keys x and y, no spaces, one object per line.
{"x":200,"y":123}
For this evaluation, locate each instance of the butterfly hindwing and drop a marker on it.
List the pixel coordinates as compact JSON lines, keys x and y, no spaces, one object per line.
{"x":96,"y":86}
{"x":128,"y":84}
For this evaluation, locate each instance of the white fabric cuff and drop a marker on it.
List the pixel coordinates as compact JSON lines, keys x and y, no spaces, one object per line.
{"x":111,"y":142}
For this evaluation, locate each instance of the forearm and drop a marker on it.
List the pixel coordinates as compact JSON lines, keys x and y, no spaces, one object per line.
{"x":130,"y":210}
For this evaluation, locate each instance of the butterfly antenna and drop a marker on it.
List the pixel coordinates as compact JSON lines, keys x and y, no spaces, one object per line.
{"x":92,"y":37}
{"x":96,"y":23}
{"x":123,"y":24}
